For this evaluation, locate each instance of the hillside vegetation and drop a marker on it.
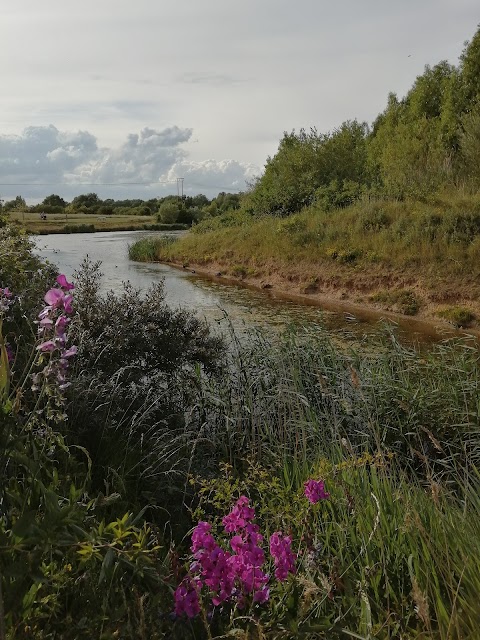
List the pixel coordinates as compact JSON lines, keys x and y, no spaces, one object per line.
{"x":364,"y":209}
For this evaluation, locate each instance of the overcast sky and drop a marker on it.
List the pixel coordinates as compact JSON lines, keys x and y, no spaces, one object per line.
{"x":123,"y":91}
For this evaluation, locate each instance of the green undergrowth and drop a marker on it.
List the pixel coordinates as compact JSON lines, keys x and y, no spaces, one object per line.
{"x":459,"y":316}
{"x":164,"y":424}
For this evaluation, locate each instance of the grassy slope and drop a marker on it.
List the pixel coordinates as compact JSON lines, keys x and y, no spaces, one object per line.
{"x":407,"y":257}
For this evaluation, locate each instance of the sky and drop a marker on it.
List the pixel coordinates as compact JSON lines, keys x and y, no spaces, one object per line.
{"x":122,"y":97}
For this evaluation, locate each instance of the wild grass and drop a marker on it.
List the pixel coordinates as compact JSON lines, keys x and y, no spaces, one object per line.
{"x":396,"y":436}
{"x":56,"y":222}
{"x":434,"y":246}
{"x":295,"y":398}
{"x":145,"y":249}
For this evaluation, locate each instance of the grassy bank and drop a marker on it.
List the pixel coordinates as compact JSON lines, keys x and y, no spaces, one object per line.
{"x":409,"y":257}
{"x":79,"y":223}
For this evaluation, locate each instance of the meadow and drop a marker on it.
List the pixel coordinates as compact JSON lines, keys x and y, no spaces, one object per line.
{"x":85,"y":223}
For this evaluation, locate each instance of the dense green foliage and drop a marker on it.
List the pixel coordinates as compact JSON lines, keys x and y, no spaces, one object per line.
{"x":424,"y":142}
{"x":169,"y":209}
{"x":407,"y":257}
{"x":164,"y":427}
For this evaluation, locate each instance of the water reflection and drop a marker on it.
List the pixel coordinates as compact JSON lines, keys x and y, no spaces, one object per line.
{"x":210,"y":299}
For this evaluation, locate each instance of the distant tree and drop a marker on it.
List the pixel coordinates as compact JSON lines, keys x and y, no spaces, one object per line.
{"x":470,"y":147}
{"x":54,"y":201}
{"x":89,"y":201}
{"x":169,"y":212}
{"x":470,"y":73}
{"x":18,"y":204}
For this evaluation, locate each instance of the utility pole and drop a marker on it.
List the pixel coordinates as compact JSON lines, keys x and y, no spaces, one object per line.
{"x":180,"y":186}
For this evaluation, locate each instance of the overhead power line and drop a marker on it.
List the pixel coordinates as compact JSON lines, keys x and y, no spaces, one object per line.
{"x":86,"y":184}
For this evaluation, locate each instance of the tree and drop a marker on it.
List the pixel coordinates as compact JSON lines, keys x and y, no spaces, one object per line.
{"x":306,"y":161}
{"x":18,"y":204}
{"x":54,"y":201}
{"x":169,"y":212}
{"x":470,"y":146}
{"x":470,"y":72}
{"x":90,"y":201}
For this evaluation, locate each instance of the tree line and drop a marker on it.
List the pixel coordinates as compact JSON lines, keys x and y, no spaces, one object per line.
{"x":169,"y":209}
{"x":427,"y":141}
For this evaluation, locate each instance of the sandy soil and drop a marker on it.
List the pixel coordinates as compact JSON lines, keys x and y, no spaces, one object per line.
{"x":350,"y":297}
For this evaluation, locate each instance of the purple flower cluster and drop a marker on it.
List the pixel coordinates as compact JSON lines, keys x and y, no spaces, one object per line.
{"x":315,"y":491}
{"x":52,"y":329}
{"x":6,"y":300}
{"x":232,"y":576}
{"x":281,"y":552}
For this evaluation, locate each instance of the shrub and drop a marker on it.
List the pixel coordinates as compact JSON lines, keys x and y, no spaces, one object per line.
{"x":136,"y":374}
{"x":459,"y":316}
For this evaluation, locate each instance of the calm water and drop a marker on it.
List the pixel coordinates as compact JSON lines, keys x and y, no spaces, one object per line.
{"x":212,"y":300}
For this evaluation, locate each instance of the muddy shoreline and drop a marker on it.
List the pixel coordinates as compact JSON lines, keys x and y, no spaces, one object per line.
{"x":425,"y":323}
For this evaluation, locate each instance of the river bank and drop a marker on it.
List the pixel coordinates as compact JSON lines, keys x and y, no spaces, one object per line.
{"x":81,"y":223}
{"x":427,"y":323}
{"x":409,"y":259}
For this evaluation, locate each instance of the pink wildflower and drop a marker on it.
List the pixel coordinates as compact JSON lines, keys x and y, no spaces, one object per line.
{"x":281,"y":552}
{"x":54,"y":297}
{"x":186,"y":599}
{"x":239,"y":516}
{"x":63,"y":282}
{"x":315,"y":491}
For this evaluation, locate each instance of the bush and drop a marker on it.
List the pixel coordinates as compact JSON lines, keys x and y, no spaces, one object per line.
{"x":136,"y":374}
{"x":458,"y":316}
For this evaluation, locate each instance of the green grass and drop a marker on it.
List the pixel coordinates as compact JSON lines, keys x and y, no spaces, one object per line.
{"x":80,"y":223}
{"x":396,"y":436}
{"x":369,"y":247}
{"x":56,"y":222}
{"x":459,"y":316}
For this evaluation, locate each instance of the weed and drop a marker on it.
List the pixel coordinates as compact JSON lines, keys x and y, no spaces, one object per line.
{"x":458,"y":316}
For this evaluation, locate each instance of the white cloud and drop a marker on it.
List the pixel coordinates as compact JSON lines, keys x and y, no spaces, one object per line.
{"x":43,"y":160}
{"x":212,"y":175}
{"x":237,"y":73}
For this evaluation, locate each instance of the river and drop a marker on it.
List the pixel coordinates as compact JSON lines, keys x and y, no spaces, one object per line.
{"x":213,"y":300}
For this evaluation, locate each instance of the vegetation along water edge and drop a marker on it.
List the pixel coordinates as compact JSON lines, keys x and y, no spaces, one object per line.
{"x":156,"y":483}
{"x":386,"y":215}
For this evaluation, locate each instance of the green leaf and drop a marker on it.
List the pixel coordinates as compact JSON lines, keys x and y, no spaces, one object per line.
{"x":25,"y":526}
{"x":106,"y":564}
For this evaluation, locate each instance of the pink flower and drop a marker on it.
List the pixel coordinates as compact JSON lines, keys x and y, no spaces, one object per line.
{"x":67,"y":304}
{"x":49,"y":345}
{"x":281,"y":552}
{"x":186,"y":599}
{"x":54,"y":297}
{"x":260,"y":597}
{"x":315,"y":491}
{"x":63,"y":282}
{"x":70,"y":352}
{"x":239,"y":516}
{"x":10,"y":353}
{"x":60,"y":324}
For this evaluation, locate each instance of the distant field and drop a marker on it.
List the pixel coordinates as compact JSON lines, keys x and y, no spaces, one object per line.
{"x":56,"y":222}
